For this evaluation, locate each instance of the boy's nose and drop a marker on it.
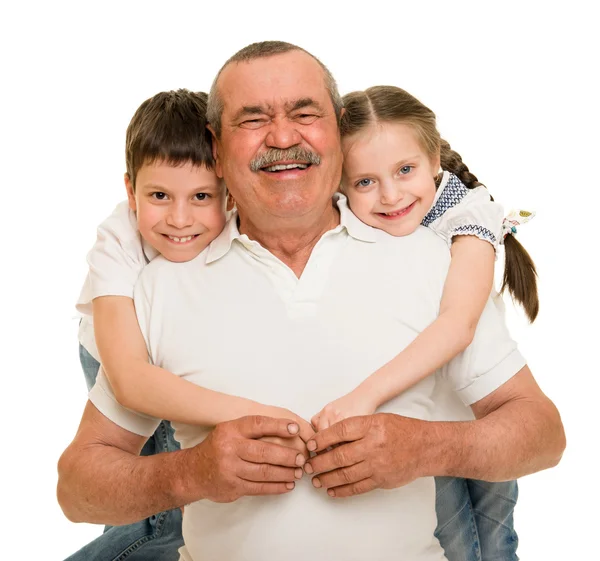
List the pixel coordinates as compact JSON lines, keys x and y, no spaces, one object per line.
{"x":179,"y":217}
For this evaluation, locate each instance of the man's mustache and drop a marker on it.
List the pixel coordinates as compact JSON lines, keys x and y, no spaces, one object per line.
{"x":274,"y":155}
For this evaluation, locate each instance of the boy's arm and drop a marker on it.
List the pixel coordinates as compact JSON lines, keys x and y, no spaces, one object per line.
{"x":466,"y":290}
{"x":148,"y":389}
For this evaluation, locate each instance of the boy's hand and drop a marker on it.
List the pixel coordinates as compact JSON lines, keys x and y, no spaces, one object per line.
{"x":353,"y":404}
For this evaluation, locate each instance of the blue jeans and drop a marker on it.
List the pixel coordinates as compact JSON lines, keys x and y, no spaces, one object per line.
{"x":157,"y":538}
{"x":475,"y":519}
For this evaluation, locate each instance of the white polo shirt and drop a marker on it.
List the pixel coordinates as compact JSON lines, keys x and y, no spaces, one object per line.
{"x":237,"y":320}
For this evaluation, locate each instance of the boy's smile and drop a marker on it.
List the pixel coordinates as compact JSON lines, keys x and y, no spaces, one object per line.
{"x":180,"y":209}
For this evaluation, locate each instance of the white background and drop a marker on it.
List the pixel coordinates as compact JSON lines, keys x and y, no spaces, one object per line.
{"x":513,"y":85}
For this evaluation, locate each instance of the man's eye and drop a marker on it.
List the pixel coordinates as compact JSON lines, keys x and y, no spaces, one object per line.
{"x":201,"y":196}
{"x":306,"y":118}
{"x":159,"y":195}
{"x":405,"y":169}
{"x":364,"y":183}
{"x":252,"y":123}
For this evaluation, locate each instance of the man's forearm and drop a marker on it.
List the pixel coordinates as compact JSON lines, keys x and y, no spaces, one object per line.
{"x":102,"y":484}
{"x":517,"y":439}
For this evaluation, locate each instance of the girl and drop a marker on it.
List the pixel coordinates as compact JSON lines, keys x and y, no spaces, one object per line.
{"x":392,"y":154}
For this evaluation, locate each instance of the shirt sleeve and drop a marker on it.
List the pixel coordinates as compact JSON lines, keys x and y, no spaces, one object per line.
{"x":115,"y":261}
{"x":459,"y":211}
{"x":489,"y":361}
{"x":103,"y":398}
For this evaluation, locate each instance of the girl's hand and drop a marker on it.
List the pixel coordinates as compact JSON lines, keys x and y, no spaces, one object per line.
{"x":353,"y":404}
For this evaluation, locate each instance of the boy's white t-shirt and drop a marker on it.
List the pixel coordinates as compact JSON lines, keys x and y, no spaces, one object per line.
{"x":115,"y":263}
{"x":120,"y":253}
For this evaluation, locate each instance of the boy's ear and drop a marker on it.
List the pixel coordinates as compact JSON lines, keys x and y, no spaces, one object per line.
{"x":215,"y":144}
{"x":230,"y":202}
{"x":130,"y":193}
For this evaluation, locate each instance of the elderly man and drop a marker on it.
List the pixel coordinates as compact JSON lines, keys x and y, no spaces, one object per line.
{"x":293,"y":305}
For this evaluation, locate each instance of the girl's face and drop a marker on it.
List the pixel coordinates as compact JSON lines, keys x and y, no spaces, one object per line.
{"x":388,"y":178}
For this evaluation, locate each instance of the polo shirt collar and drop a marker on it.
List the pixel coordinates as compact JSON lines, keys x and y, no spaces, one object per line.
{"x":355,"y":228}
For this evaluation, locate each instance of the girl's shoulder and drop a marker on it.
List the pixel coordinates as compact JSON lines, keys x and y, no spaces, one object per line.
{"x":458,"y":210}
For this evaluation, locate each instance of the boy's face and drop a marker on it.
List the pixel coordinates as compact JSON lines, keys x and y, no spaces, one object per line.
{"x":180,"y":209}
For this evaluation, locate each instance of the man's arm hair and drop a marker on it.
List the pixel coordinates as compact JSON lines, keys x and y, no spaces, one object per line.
{"x":103,"y":480}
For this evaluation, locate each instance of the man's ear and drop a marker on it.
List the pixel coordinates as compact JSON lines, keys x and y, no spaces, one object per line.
{"x":216,"y":148}
{"x":130,"y":193}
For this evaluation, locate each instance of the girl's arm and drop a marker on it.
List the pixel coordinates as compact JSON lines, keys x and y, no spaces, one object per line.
{"x":146,"y":388}
{"x":467,"y":288}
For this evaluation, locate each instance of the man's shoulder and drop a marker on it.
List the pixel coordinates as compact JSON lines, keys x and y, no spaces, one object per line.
{"x":422,"y":243}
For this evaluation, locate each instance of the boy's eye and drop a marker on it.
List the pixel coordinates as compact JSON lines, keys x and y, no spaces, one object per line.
{"x":159,"y":195}
{"x":364,"y":183}
{"x":201,"y":196}
{"x":405,"y":169}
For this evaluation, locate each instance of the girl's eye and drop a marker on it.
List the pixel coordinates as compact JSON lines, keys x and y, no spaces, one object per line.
{"x":201,"y":196}
{"x":159,"y":196}
{"x":405,"y":169}
{"x":364,"y":183}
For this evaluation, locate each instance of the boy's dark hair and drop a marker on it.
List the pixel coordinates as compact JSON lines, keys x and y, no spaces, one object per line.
{"x":169,"y":127}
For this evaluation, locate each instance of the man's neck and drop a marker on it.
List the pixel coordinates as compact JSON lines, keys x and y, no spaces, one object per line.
{"x":291,"y":242}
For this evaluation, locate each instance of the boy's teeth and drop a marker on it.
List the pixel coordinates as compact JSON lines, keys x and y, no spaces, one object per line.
{"x":279,"y":167}
{"x":180,"y":240}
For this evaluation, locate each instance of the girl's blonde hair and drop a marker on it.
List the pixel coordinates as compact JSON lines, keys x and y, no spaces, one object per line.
{"x":389,"y":104}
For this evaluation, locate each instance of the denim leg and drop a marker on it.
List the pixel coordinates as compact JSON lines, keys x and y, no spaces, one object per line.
{"x":157,"y":538}
{"x":456,"y":529}
{"x":493,"y":507}
{"x":90,"y":367}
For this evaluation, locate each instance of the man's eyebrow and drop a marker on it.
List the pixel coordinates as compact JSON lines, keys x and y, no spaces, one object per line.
{"x":302,"y":103}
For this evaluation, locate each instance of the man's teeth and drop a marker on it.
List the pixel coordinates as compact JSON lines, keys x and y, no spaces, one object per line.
{"x":180,"y":240}
{"x":279,"y":167}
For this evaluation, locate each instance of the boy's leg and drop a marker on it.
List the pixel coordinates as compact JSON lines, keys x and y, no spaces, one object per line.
{"x":456,"y":529}
{"x":157,"y":538}
{"x":493,"y":507}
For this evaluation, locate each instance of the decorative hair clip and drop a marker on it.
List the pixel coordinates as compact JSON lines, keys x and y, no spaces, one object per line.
{"x":513,"y":219}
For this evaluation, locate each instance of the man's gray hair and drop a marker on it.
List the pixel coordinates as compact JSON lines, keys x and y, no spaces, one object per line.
{"x":264,"y":49}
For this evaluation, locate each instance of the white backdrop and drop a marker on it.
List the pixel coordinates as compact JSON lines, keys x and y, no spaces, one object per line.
{"x":513,"y":85}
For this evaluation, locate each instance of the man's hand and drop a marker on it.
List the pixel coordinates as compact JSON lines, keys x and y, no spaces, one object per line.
{"x":231,"y":462}
{"x":305,"y":432}
{"x":380,"y":451}
{"x":353,"y":404}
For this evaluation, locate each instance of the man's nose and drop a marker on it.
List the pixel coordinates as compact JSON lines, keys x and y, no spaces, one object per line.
{"x":390,"y":194}
{"x":282,"y":134}
{"x":180,"y":215}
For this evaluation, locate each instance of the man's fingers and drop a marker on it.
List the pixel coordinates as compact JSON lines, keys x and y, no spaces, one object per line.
{"x":266,"y":472}
{"x":343,"y":476}
{"x":259,"y":452}
{"x":306,"y":431}
{"x":253,"y":489}
{"x":341,"y":456}
{"x":358,"y":488}
{"x":257,"y":426}
{"x":347,"y":430}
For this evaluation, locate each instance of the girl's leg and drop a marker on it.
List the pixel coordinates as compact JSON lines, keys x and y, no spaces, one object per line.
{"x":493,"y":507}
{"x":457,"y":529}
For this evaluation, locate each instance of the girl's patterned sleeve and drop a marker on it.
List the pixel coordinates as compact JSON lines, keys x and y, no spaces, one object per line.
{"x":459,"y":211}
